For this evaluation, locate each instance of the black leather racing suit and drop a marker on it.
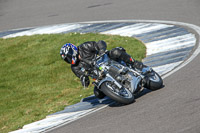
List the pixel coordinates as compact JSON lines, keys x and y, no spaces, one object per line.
{"x":88,"y":50}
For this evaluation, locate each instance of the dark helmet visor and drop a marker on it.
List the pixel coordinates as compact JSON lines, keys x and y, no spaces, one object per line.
{"x":68,"y":57}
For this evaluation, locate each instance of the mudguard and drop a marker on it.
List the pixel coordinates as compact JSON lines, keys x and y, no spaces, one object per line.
{"x":104,"y":80}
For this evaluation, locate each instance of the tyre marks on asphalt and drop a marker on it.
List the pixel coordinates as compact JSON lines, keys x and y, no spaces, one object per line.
{"x":167,"y":47}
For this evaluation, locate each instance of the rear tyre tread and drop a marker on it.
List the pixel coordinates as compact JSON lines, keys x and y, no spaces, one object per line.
{"x":151,"y":85}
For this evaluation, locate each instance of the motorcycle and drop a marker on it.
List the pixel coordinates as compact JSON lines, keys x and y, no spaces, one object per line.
{"x":120,"y":81}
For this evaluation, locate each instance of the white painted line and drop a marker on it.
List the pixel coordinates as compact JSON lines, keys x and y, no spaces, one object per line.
{"x":162,"y":69}
{"x":151,"y":51}
{"x":174,"y":43}
{"x":55,"y":120}
{"x":128,"y":28}
{"x":172,"y":40}
{"x":135,"y":30}
{"x":78,"y":117}
{"x":48,"y":30}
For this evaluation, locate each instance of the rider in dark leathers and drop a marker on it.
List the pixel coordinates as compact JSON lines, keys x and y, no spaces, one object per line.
{"x":74,"y":55}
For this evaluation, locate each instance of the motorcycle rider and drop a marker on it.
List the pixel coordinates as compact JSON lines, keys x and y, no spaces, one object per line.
{"x":87,"y":50}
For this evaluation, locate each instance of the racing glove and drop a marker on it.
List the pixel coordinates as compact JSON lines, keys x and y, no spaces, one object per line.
{"x":85,"y":81}
{"x":101,"y":52}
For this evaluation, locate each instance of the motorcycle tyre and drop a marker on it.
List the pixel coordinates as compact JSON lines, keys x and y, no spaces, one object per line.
{"x":153,"y":85}
{"x":108,"y":92}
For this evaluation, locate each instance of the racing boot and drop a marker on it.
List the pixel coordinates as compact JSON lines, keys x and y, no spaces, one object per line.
{"x":129,"y":60}
{"x":99,"y":94}
{"x":138,"y":65}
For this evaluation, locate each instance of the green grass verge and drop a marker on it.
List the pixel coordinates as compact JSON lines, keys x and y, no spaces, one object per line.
{"x":36,"y":82}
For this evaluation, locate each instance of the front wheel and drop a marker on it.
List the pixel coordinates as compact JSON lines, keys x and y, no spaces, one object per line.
{"x":154,"y":81}
{"x":122,"y":95}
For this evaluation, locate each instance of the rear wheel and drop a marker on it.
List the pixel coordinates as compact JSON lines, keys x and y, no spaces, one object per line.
{"x":122,"y":95}
{"x":154,"y":81}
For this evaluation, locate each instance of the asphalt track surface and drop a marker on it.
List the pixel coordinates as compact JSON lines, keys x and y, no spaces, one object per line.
{"x":173,"y":109}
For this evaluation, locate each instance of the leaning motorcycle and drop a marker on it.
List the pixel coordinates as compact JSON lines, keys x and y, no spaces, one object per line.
{"x":120,"y":81}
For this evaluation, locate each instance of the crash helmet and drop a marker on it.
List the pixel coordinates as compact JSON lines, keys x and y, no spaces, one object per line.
{"x":69,"y":53}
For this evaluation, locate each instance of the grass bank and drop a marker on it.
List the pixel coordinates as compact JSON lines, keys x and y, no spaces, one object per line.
{"x":35,"y":82}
